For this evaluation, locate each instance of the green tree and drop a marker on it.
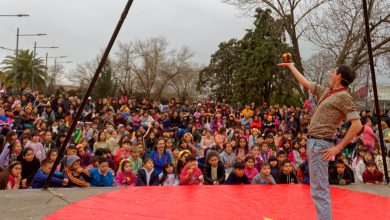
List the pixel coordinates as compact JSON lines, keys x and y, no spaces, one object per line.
{"x":217,"y":78}
{"x":26,"y":67}
{"x":257,"y":77}
{"x":105,"y":85}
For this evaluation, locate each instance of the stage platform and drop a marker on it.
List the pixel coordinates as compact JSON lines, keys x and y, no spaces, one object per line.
{"x":197,"y":202}
{"x":222,"y":202}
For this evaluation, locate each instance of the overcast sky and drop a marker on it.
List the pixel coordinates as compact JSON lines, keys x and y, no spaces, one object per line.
{"x":82,"y":28}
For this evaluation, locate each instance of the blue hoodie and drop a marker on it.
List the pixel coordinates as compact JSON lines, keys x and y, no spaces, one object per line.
{"x":40,"y":178}
{"x":98,"y":179}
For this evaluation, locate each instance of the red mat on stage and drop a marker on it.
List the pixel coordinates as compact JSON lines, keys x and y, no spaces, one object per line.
{"x":222,"y":202}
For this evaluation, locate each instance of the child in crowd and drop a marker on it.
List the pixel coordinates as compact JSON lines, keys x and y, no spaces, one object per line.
{"x":40,"y":177}
{"x":207,"y":140}
{"x":36,"y":146}
{"x":71,"y":150}
{"x":273,"y":162}
{"x":15,"y":151}
{"x":169,"y":177}
{"x":77,"y":175}
{"x":181,"y":163}
{"x":94,"y":162}
{"x":147,"y":176}
{"x":125,"y":176}
{"x":265,"y":152}
{"x":30,"y":165}
{"x":191,"y":174}
{"x":123,"y":152}
{"x":214,"y":171}
{"x":228,"y":158}
{"x":372,"y":174}
{"x":84,"y":155}
{"x":287,"y":176}
{"x":52,"y":155}
{"x":136,"y":162}
{"x":101,"y":176}
{"x":361,"y":167}
{"x":242,"y":150}
{"x":264,"y":177}
{"x":11,"y":177}
{"x":294,"y":156}
{"x":238,"y":175}
{"x":175,"y":157}
{"x":255,"y":153}
{"x":281,"y":156}
{"x":250,"y":169}
{"x":340,"y":175}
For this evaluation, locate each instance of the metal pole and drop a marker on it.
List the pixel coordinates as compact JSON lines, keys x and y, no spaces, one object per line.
{"x":16,"y":60}
{"x":46,"y":61}
{"x":367,"y":81}
{"x":89,"y":91}
{"x":372,"y":68}
{"x":32,"y":69}
{"x":54,"y":73}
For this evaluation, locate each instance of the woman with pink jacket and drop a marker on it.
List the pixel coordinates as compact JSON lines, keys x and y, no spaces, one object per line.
{"x":368,"y":136}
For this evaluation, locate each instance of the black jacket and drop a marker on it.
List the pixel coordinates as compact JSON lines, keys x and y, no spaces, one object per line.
{"x":220,"y":174}
{"x":287,"y":179}
{"x":154,"y":180}
{"x":233,"y":179}
{"x":347,"y":175}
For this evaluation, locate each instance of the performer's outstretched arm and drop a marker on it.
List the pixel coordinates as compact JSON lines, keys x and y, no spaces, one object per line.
{"x":301,"y":79}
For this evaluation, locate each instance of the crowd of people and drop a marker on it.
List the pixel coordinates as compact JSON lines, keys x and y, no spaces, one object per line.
{"x":123,"y":141}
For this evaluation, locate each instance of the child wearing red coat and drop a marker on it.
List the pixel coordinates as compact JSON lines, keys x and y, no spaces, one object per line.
{"x":372,"y":174}
{"x":191,"y":174}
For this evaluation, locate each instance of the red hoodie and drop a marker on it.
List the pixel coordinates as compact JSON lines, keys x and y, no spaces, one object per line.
{"x":369,"y":177}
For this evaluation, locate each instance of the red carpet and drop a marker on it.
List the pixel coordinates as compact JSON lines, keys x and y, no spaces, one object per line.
{"x":222,"y":202}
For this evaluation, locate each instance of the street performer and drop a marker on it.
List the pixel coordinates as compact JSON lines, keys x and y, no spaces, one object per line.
{"x":335,"y":105}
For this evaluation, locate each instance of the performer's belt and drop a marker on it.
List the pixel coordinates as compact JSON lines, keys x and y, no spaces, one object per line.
{"x":318,"y":138}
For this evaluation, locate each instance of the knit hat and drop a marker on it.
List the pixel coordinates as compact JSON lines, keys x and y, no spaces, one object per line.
{"x":71,"y":160}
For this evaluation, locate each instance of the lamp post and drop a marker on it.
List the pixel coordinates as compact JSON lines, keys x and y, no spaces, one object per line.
{"x":53,"y":79}
{"x":16,"y":15}
{"x":56,"y":71}
{"x":17,"y":50}
{"x":32,"y":70}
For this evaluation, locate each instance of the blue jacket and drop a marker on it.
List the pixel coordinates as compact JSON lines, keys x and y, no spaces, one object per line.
{"x":98,"y":179}
{"x":159,"y":162}
{"x":40,"y":178}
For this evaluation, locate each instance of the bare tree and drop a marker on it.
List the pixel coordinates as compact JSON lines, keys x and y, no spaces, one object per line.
{"x":178,"y":65}
{"x":185,"y":83}
{"x":124,"y":77}
{"x":54,"y":75}
{"x":340,"y":30}
{"x":318,"y":67}
{"x":148,"y":61}
{"x":84,"y":71}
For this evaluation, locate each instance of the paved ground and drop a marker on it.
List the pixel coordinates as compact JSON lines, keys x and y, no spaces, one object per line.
{"x":35,"y":204}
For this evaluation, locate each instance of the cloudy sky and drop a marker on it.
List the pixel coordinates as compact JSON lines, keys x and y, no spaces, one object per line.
{"x":82,"y":28}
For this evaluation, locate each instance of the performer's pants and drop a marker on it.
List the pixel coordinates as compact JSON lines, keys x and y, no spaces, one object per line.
{"x":319,"y":183}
